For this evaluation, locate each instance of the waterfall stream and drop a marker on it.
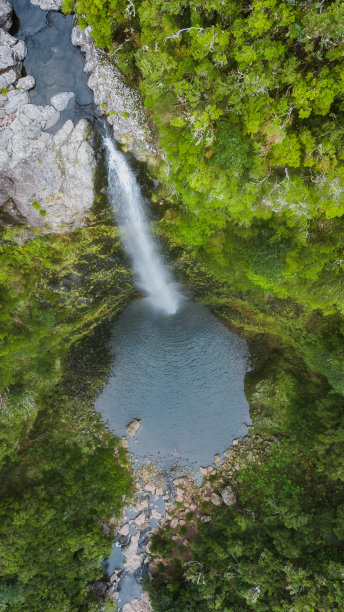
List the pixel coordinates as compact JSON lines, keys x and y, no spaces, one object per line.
{"x":153,"y":277}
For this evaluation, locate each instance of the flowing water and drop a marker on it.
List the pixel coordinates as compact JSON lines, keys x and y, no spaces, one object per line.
{"x":124,"y":193}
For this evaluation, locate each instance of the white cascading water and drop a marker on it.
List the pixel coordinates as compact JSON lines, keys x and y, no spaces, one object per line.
{"x":126,"y":199}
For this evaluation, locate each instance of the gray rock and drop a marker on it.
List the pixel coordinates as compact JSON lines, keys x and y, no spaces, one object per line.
{"x":3,"y":160}
{"x":228,"y":496}
{"x":61,"y":100}
{"x":5,"y":136}
{"x":59,"y":178}
{"x":8,"y":58}
{"x":16,"y":101}
{"x":29,"y":113}
{"x":7,"y":78}
{"x":62,"y":135}
{"x":26,"y":83}
{"x":6,"y":188}
{"x":54,"y":170}
{"x":6,"y":39}
{"x":52,"y":120}
{"x":6,"y":11}
{"x":81,"y":37}
{"x":123,"y":105}
{"x":48,"y":5}
{"x":133,"y":427}
{"x":20,"y":50}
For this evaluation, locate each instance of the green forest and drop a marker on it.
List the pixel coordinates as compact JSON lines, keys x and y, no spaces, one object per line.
{"x":246,"y":101}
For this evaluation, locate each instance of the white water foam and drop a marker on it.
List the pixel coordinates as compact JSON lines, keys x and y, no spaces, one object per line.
{"x":153,"y":277}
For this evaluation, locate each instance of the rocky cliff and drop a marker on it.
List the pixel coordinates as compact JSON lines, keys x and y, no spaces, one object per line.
{"x":46,"y":179}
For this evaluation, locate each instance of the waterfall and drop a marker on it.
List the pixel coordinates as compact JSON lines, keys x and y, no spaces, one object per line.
{"x":126,"y":199}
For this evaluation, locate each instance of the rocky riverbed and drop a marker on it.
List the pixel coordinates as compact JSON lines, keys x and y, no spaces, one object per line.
{"x":169,"y":500}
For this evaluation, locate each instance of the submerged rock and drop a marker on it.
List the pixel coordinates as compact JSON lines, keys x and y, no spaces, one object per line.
{"x":61,"y":100}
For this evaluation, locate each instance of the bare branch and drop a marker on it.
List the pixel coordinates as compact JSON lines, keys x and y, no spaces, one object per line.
{"x":176,"y":34}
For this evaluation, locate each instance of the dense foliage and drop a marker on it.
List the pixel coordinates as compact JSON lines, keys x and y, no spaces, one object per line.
{"x":63,"y":475}
{"x":248,"y":99}
{"x":53,"y":290}
{"x":66,"y":484}
{"x":279,"y":549}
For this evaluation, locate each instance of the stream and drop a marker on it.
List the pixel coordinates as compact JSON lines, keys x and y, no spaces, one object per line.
{"x":175,"y":367}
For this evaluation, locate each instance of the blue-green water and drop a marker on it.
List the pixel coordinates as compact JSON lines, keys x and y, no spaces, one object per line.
{"x":183,"y":376}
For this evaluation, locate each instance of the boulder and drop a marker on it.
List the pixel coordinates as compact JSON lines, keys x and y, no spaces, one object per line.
{"x":8,"y":58}
{"x":140,"y":519}
{"x":6,"y":11}
{"x":124,"y":530}
{"x":228,"y":496}
{"x":205,"y":519}
{"x":19,"y":99}
{"x":54,"y":171}
{"x":61,"y":100}
{"x":6,"y":39}
{"x":26,"y":83}
{"x":133,"y":560}
{"x":20,"y":50}
{"x":150,"y":487}
{"x":215,"y":499}
{"x":7,"y":78}
{"x":133,"y":427}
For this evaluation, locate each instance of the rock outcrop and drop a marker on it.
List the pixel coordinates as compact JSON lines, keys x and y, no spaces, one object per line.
{"x":45,"y":179}
{"x":120,"y":103}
